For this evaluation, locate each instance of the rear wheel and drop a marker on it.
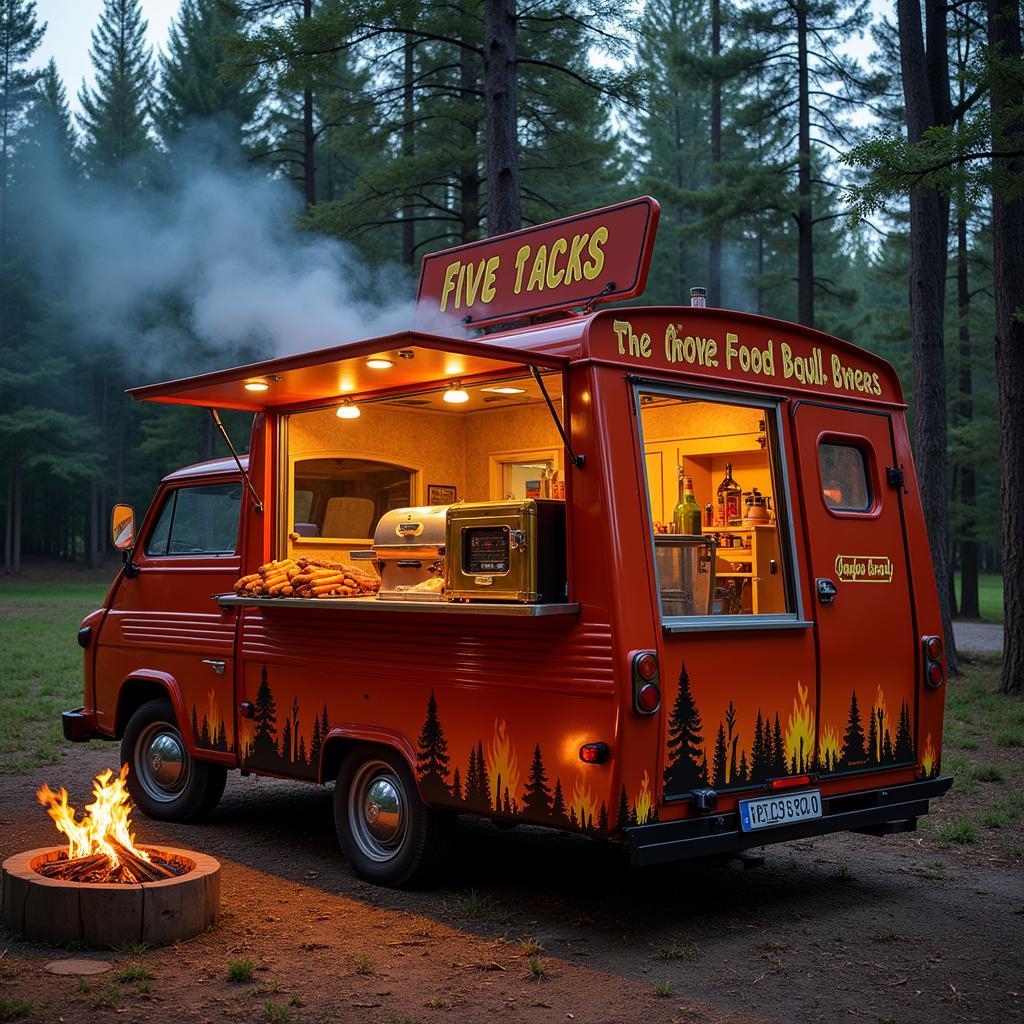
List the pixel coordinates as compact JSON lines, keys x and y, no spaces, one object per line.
{"x":164,"y":779}
{"x":387,"y":833}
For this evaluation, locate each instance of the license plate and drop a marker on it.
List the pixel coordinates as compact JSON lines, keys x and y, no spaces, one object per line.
{"x":771,"y":811}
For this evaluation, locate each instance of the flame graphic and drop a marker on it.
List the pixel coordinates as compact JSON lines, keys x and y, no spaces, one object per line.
{"x":643,"y":800}
{"x":800,"y":732}
{"x":828,"y":748}
{"x":502,"y":765}
{"x":107,"y":818}
{"x":928,"y":760}
{"x":583,"y":801}
{"x":246,"y":736}
{"x":880,"y":733}
{"x":213,"y":715}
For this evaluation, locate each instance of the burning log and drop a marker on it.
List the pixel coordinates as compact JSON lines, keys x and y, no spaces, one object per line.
{"x":74,"y":869}
{"x":144,"y":870}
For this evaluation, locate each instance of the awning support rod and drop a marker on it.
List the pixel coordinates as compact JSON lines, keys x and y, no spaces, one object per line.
{"x":257,"y":504}
{"x":576,"y":460}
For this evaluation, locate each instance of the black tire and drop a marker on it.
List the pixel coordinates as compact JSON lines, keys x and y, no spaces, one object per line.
{"x":172,"y":787}
{"x":395,"y":840}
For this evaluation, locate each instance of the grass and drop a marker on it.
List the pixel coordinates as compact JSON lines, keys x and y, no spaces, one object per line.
{"x":679,"y":951}
{"x":961,"y":832}
{"x":363,"y":964}
{"x":241,"y":971}
{"x":990,"y":595}
{"x":41,"y":671}
{"x":476,"y":904}
{"x":663,"y":989}
{"x":13,"y":1009}
{"x":538,"y":969}
{"x":277,"y":1014}
{"x":133,"y":974}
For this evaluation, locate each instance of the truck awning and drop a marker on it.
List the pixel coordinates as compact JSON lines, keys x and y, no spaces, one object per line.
{"x":416,"y":359}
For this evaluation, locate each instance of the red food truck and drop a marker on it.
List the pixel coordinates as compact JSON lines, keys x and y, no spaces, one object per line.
{"x":657,"y":575}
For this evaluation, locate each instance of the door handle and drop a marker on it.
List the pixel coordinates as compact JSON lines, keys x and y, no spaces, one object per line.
{"x":215,"y":664}
{"x":826,"y":590}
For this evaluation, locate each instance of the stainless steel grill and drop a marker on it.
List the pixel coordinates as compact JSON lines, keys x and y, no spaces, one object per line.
{"x":409,"y":550}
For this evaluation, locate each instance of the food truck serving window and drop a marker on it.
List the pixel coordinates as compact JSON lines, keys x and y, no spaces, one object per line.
{"x":718,"y":506}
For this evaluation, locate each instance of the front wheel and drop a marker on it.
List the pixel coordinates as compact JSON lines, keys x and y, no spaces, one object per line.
{"x":387,"y":833}
{"x":164,"y":779}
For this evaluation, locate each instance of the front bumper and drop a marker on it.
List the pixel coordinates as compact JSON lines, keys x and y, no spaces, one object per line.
{"x":79,"y":725}
{"x":876,"y":811}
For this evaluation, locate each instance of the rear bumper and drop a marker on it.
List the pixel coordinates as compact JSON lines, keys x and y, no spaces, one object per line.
{"x":877,"y":811}
{"x":79,"y":725}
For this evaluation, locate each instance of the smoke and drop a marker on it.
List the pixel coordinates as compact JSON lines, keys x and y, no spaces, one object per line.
{"x":213,"y":254}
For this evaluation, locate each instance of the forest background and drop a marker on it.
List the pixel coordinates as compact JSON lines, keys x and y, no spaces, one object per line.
{"x":269,"y":180}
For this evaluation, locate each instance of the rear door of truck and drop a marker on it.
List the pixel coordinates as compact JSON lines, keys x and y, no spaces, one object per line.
{"x":864,"y":599}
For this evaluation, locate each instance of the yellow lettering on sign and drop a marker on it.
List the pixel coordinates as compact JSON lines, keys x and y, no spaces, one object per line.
{"x":521,"y":257}
{"x":594,"y":265}
{"x":490,"y":277}
{"x":450,"y":273}
{"x":555,"y":275}
{"x":574,"y":269}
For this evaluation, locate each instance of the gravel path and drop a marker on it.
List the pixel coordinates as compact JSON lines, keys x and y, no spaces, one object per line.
{"x":979,"y":637}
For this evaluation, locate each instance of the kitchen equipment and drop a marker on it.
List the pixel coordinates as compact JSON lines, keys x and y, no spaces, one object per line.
{"x":686,"y":573}
{"x":506,"y":551}
{"x":756,"y":508}
{"x":409,"y":549}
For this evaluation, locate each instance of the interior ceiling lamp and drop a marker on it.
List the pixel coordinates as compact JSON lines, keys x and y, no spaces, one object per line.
{"x":379,"y":363}
{"x":455,"y":394}
{"x":348,"y":410}
{"x":256,"y":385}
{"x":505,"y":391}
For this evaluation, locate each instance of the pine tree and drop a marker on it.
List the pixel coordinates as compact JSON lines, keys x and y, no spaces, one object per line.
{"x":483,"y":778}
{"x":193,"y":87}
{"x":114,"y":116}
{"x":602,"y":818}
{"x":719,"y":765}
{"x":872,"y":741}
{"x":685,"y":738}
{"x":853,"y":739}
{"x":264,"y":746}
{"x":558,"y":803}
{"x":623,"y":815}
{"x":904,"y":738}
{"x":732,"y":741}
{"x":300,"y":757}
{"x":20,"y":37}
{"x":48,"y":137}
{"x":204,"y":734}
{"x":286,"y":740}
{"x":759,"y":760}
{"x":778,"y":748}
{"x":432,"y":756}
{"x":195,"y":725}
{"x":537,"y":795}
{"x":574,"y":822}
{"x":222,"y":737}
{"x":315,"y":742}
{"x":472,"y":778}
{"x":743,"y":775}
{"x":456,"y":785}
{"x":325,"y":725}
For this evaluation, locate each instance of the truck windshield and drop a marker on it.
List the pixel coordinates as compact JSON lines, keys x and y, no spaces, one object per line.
{"x":715,"y":498}
{"x":199,"y":520}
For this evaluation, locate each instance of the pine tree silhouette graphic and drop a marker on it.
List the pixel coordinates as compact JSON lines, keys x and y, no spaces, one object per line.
{"x":432,"y":756}
{"x":685,"y":768}
{"x":537,"y":796}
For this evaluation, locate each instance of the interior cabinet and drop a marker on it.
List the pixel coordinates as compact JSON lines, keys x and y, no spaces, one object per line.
{"x":754,"y":556}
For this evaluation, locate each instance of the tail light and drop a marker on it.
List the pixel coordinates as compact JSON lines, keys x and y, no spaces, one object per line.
{"x":646,"y":683}
{"x":594,"y":753}
{"x":934,"y":669}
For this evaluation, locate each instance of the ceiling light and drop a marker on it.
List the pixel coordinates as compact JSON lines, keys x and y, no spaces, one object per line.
{"x":256,"y":385}
{"x":506,"y":391}
{"x":455,"y":394}
{"x":379,"y":363}
{"x":348,"y":410}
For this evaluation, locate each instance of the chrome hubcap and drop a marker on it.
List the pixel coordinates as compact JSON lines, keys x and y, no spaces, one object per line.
{"x":377,"y":811}
{"x":161,"y":762}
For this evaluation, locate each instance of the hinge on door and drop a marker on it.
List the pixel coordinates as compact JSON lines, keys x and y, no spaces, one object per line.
{"x":894,"y":475}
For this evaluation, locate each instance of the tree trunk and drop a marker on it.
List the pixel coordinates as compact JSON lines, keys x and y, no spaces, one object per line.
{"x":714,"y":178}
{"x":1007,"y":101}
{"x":503,"y":209}
{"x":9,"y":518}
{"x":408,"y":147}
{"x":16,"y":517}
{"x":969,"y":607}
{"x":804,"y":216}
{"x":92,"y":547}
{"x":308,"y":134}
{"x":926,"y":92}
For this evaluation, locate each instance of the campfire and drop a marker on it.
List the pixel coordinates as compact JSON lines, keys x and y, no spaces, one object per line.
{"x":101,"y":846}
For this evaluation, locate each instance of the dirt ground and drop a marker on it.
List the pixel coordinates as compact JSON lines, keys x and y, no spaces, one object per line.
{"x":842,"y":928}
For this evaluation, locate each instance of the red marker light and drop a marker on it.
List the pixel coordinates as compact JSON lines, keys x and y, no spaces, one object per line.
{"x":648,"y":697}
{"x":594,"y":753}
{"x":789,"y":783}
{"x":936,"y":673}
{"x":933,"y":647}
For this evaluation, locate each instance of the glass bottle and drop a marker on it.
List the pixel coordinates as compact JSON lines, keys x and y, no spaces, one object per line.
{"x":686,"y":514}
{"x":729,"y":499}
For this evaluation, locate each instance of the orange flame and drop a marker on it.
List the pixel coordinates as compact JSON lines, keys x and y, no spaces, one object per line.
{"x":643,"y":800}
{"x":928,"y":760}
{"x":246,"y":736}
{"x":828,"y":747}
{"x":502,"y":765}
{"x":879,"y":705}
{"x":583,"y":800}
{"x":800,"y":731}
{"x":107,"y":818}
{"x":213,"y":714}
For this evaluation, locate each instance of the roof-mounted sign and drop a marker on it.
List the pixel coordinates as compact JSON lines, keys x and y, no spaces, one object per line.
{"x":564,"y":264}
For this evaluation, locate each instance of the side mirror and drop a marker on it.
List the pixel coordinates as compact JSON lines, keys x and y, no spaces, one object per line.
{"x":122,"y":527}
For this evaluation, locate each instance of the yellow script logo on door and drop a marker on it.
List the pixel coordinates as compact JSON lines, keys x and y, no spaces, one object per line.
{"x":864,"y":568}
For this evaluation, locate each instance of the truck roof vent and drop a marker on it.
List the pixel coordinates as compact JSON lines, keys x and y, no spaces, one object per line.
{"x":698,"y":296}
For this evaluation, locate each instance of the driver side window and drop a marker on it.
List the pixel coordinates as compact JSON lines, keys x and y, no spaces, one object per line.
{"x":199,"y":520}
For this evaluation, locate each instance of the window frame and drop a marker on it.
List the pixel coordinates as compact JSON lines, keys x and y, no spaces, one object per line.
{"x":171,"y":494}
{"x":774,"y":427}
{"x":867,"y":453}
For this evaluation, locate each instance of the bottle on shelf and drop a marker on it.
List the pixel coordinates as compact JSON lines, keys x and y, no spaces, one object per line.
{"x":686,"y":514}
{"x":730,"y":498}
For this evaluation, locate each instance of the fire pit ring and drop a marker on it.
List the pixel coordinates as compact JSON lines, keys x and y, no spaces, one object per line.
{"x":100,"y":915}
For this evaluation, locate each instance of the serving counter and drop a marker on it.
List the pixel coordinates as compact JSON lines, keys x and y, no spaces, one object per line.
{"x":376,"y":604}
